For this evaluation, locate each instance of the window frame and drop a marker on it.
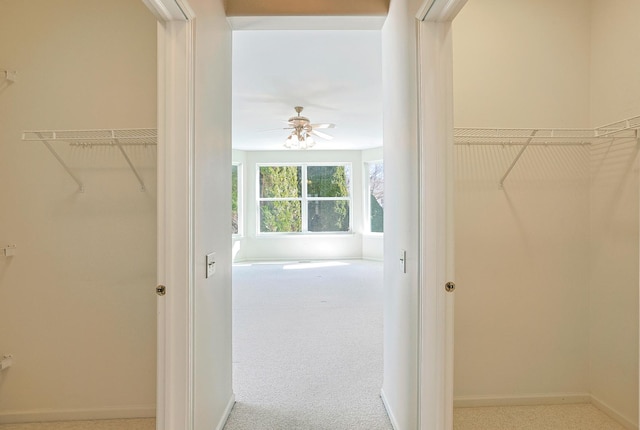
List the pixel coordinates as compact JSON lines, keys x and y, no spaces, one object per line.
{"x":240,"y":191}
{"x":366,"y":196}
{"x":304,"y":198}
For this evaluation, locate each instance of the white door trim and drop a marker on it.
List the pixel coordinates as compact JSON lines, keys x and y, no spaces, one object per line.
{"x":435,"y":134}
{"x":175,"y":406}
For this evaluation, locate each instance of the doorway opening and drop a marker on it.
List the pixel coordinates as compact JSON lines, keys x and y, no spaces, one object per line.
{"x":308,"y":230}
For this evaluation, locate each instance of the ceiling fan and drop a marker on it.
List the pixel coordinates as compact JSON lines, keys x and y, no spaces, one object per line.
{"x":302,"y":131}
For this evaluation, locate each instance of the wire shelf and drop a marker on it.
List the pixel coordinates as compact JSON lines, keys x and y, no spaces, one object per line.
{"x":117,"y":138}
{"x":136,"y":136}
{"x":525,"y":137}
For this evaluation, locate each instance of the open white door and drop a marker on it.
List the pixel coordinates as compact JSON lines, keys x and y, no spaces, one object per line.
{"x":175,"y":223}
{"x":435,"y":76}
{"x":194,"y":176}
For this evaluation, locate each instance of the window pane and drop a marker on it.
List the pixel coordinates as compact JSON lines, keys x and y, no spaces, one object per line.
{"x":234,"y":199}
{"x":328,"y":215}
{"x":281,"y":216}
{"x":280,"y":181}
{"x":376,"y":196}
{"x":328,"y":181}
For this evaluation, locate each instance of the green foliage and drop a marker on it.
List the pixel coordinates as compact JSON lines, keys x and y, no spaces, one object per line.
{"x":283,"y":216}
{"x":328,"y":215}
{"x":234,"y":199}
{"x":286,"y":215}
{"x":327,"y":181}
{"x":280,"y":182}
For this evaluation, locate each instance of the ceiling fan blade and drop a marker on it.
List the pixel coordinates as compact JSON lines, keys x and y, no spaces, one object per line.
{"x":325,"y":136}
{"x":314,"y":126}
{"x":276,"y":129}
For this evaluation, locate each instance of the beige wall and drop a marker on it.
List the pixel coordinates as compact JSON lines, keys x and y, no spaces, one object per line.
{"x":522,"y":252}
{"x":615,"y":95}
{"x":615,"y":87}
{"x":77,"y":308}
{"x":297,"y":8}
{"x":521,"y":321}
{"x":547,"y":267}
{"x":519,"y":63}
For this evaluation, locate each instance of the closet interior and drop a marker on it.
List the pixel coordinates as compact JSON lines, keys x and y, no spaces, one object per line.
{"x":546,"y":206}
{"x":77,"y":235}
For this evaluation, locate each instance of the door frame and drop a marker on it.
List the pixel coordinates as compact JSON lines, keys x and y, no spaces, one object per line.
{"x":176,"y":213}
{"x":176,"y":265}
{"x":436,"y":267}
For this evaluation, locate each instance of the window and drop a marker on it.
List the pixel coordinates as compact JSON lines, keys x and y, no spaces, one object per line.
{"x":304,"y":198}
{"x":376,"y":196}
{"x":236,"y":199}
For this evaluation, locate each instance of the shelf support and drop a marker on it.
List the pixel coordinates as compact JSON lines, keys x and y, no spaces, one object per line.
{"x":126,"y":157}
{"x":62,"y":163}
{"x":515,"y":161}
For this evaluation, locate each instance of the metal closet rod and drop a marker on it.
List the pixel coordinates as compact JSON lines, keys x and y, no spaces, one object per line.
{"x":114,"y":137}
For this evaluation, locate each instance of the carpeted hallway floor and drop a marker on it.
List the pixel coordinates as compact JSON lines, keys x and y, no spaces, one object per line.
{"x":308,"y":346}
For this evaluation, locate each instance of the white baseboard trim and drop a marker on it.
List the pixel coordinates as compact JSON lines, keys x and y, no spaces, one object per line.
{"x":227,"y":412}
{"x":613,"y":414}
{"x":39,"y":415}
{"x":392,"y":418}
{"x":522,"y":400}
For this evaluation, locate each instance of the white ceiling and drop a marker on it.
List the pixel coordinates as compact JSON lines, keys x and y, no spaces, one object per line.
{"x":335,"y":75}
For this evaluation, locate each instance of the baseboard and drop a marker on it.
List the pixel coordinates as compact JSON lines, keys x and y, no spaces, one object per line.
{"x":374,"y":259}
{"x":39,"y":415}
{"x":227,"y":412}
{"x":524,"y":400}
{"x":626,"y":423}
{"x":392,"y":418}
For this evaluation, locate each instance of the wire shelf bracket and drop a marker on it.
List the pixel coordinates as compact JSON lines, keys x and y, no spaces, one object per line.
{"x":547,"y":137}
{"x":91,"y":138}
{"x":9,"y":75}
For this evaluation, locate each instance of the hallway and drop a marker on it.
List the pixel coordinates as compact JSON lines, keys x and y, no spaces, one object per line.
{"x":308,"y":346}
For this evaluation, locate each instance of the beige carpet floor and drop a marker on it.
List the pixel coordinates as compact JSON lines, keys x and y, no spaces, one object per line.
{"x":552,"y":417}
{"x":307,"y":346}
{"x":556,"y":417}
{"x":131,"y":424}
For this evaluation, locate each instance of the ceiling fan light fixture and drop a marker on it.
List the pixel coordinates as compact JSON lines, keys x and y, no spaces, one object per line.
{"x":292,"y":141}
{"x":301,"y":135}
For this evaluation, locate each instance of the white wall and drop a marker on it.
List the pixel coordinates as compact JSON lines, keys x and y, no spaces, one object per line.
{"x":77,"y":302}
{"x":213,"y":396}
{"x":615,"y":95}
{"x":401,"y":213}
{"x":521,"y":253}
{"x":254,"y":246}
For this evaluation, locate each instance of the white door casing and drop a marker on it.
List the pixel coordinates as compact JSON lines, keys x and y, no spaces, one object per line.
{"x":435,"y":136}
{"x":174,"y":408}
{"x":176,"y":217}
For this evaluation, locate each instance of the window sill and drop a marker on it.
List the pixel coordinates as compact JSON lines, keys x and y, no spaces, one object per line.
{"x":303,"y":234}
